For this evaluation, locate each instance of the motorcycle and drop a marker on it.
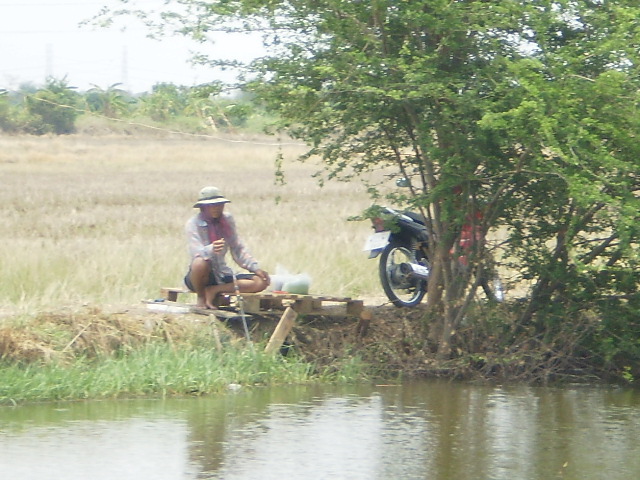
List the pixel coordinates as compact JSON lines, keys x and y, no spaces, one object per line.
{"x":404,"y":264}
{"x":401,"y":240}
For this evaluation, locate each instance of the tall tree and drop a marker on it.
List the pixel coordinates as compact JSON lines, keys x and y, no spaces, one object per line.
{"x":523,"y":109}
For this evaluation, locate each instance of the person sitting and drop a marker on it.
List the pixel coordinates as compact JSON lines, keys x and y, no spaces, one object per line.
{"x":211,"y":233}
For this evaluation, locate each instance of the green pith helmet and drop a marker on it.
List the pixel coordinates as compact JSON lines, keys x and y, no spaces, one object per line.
{"x":210,"y":196}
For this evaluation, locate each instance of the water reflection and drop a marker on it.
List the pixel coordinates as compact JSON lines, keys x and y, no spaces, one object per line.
{"x":424,"y":430}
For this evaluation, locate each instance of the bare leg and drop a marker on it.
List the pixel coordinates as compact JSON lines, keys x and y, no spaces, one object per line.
{"x":212,"y":291}
{"x":252,"y":285}
{"x":199,"y":276}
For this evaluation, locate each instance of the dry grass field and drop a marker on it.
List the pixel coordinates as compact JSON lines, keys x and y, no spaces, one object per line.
{"x":99,"y":220}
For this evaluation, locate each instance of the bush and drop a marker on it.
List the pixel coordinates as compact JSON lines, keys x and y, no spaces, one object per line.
{"x":53,"y":109}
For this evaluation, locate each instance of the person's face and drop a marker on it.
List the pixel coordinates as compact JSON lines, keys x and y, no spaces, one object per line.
{"x":213,"y":211}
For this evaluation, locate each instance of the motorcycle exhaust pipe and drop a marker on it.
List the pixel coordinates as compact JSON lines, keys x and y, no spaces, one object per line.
{"x":415,"y":270}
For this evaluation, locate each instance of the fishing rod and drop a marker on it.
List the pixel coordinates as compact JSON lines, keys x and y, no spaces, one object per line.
{"x":240,"y":301}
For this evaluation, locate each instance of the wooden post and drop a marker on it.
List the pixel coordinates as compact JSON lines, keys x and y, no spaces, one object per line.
{"x":363,"y":324}
{"x":282,"y":330}
{"x":355,"y":308}
{"x":303,"y":304}
{"x":251,"y":304}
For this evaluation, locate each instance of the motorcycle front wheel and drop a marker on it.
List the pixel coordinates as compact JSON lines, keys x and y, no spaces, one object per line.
{"x":401,"y":289}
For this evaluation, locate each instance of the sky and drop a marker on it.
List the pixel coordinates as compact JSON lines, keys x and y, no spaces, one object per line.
{"x":43,"y":38}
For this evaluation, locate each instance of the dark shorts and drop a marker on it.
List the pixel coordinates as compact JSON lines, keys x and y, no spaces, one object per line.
{"x":212,"y":279}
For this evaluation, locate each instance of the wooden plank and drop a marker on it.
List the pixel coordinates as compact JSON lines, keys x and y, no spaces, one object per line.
{"x":355,"y":307}
{"x":303,"y":305}
{"x":251,"y":304}
{"x":271,"y":304}
{"x":220,"y":314}
{"x":282,"y":330}
{"x":171,"y":293}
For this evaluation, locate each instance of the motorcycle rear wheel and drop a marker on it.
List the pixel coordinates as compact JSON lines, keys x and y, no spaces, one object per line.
{"x":401,"y":289}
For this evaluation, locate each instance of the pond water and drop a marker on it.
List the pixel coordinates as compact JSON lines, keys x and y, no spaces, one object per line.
{"x":422,"y":430}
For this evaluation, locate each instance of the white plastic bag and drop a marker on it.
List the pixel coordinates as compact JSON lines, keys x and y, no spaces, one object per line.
{"x":283,"y":281}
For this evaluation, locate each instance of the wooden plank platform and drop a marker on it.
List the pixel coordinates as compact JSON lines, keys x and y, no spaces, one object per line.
{"x":269,"y":302}
{"x":302,"y":304}
{"x":265,"y":302}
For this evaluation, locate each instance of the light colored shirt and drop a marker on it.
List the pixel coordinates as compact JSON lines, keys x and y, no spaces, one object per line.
{"x":200,"y":245}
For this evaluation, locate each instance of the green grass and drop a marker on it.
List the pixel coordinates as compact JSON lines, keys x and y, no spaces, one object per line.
{"x":159,"y":369}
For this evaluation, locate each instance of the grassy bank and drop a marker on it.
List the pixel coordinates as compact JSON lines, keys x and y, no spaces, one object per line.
{"x":157,"y":369}
{"x":93,"y":354}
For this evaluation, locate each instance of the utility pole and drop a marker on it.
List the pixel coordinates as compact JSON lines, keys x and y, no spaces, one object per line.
{"x":125,"y":67}
{"x":48,"y":71}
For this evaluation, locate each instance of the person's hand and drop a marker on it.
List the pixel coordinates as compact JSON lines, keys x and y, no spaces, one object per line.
{"x":263,"y":275}
{"x":218,"y":246}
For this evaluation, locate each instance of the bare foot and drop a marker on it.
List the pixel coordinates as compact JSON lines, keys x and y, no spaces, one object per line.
{"x":212,"y":297}
{"x":202,"y":302}
{"x":205,"y":306}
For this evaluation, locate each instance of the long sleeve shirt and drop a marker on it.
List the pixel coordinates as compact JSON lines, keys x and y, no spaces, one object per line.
{"x":200,"y":237}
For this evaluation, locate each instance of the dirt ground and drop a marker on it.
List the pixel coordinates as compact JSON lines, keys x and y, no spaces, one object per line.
{"x":388,"y":338}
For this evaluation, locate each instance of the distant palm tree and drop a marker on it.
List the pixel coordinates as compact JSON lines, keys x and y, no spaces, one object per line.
{"x":110,"y":102}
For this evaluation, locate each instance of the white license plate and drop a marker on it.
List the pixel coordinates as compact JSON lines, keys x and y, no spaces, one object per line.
{"x":377,"y":241}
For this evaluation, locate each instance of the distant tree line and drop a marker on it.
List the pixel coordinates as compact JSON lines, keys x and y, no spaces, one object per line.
{"x":55,"y":107}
